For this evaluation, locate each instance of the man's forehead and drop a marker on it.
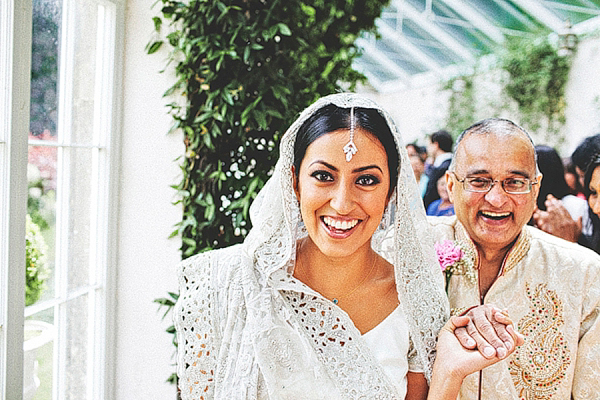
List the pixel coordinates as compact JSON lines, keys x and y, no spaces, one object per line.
{"x":481,"y":152}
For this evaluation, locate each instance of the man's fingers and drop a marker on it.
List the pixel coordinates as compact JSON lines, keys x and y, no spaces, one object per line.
{"x":464,"y":338}
{"x":493,"y":333}
{"x":484,"y":347}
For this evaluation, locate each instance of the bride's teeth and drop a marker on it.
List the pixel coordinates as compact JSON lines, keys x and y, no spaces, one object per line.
{"x":342,"y":225}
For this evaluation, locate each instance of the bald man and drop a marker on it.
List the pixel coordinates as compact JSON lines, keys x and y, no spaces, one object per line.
{"x":550,"y":287}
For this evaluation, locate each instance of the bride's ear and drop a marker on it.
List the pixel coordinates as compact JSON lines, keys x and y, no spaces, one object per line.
{"x":295,"y":182}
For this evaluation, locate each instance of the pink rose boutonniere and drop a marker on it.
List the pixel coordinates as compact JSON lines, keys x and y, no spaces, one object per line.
{"x":455,"y":258}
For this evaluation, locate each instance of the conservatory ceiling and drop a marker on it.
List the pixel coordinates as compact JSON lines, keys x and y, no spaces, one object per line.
{"x":425,"y":40}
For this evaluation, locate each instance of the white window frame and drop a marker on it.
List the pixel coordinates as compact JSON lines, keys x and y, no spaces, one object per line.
{"x":15,"y":71}
{"x":15,"y":67}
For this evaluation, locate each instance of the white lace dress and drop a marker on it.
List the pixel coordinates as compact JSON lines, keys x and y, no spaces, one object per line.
{"x":247,"y":329}
{"x":243,"y":340}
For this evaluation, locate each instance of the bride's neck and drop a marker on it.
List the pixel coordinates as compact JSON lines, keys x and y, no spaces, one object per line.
{"x":317,"y":269}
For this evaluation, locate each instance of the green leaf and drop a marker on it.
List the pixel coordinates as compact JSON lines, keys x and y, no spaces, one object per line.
{"x":153,"y":47}
{"x":246,"y":54}
{"x":284,"y":30}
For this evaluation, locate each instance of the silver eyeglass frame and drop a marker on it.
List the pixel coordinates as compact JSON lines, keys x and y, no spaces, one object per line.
{"x":492,"y":182}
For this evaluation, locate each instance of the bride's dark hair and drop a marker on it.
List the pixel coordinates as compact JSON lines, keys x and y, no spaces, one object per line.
{"x":332,"y":118}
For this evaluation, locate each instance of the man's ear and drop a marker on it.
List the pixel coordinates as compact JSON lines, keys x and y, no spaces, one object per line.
{"x":450,"y":186}
{"x":536,"y":188}
{"x":295,"y":183}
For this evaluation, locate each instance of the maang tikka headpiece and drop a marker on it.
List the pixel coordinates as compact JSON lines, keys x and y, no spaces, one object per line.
{"x":350,"y":148}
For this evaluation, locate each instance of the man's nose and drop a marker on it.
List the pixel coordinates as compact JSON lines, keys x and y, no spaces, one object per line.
{"x":496,"y":196}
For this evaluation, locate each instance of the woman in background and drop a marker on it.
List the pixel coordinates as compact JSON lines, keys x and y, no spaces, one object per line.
{"x":591,"y":190}
{"x":554,"y":186}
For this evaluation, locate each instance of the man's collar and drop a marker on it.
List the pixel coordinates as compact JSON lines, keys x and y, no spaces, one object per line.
{"x":516,"y":253}
{"x":441,"y":158}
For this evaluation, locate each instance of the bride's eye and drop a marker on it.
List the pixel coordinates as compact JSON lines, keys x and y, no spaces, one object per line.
{"x":367,"y":180}
{"x":322,"y":176}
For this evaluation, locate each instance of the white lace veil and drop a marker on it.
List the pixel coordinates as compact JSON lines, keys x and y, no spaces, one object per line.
{"x":402,"y":238}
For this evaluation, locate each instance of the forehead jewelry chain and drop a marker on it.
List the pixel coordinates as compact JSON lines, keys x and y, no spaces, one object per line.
{"x":350,"y":148}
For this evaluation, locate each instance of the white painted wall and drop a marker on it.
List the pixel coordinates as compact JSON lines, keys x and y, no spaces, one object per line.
{"x":146,"y":258}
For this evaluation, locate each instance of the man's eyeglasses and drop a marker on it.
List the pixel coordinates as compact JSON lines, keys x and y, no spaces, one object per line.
{"x":484,"y":185}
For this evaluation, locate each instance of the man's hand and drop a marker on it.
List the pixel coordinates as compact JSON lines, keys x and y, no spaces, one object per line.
{"x":490,"y":331}
{"x":557,"y":221}
{"x":453,"y":362}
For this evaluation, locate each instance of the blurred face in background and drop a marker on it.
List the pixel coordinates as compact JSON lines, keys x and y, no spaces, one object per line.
{"x":593,"y":198}
{"x":442,"y":189}
{"x":416,"y":162}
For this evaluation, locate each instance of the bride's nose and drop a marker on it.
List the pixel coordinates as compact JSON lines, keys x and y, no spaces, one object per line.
{"x":342,"y":199}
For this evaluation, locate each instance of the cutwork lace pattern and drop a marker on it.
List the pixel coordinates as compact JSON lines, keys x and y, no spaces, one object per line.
{"x":539,"y":366}
{"x":195,"y":329}
{"x":338,"y":345}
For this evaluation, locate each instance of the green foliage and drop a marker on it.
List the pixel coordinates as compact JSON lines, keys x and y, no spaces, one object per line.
{"x":36,"y":271}
{"x":461,"y":105}
{"x":537,"y":79}
{"x":246,"y":69}
{"x":169,"y":303}
{"x":40,"y":199}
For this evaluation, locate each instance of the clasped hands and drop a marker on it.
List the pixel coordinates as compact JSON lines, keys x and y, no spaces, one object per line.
{"x":481,"y":337}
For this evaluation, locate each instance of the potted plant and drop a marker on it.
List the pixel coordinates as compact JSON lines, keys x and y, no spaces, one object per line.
{"x":37,"y":333}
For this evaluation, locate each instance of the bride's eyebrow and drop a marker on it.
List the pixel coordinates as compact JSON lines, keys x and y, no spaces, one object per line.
{"x":373,"y":166}
{"x":323,"y":163}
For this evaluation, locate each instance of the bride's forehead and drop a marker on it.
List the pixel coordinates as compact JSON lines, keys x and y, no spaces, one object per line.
{"x":341,"y":137}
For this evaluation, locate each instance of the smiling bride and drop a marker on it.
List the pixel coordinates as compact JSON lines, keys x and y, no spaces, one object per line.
{"x":336,"y":292}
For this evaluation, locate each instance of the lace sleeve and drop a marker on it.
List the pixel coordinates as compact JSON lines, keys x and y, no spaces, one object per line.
{"x":414,"y":362}
{"x":197,"y":335}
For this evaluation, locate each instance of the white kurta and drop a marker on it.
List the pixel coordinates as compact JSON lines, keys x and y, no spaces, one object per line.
{"x":551,"y":288}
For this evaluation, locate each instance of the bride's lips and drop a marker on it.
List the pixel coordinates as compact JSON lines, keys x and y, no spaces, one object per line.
{"x":339,"y":228}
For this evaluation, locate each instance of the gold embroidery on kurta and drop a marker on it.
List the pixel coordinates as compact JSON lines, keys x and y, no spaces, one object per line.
{"x":539,"y":366}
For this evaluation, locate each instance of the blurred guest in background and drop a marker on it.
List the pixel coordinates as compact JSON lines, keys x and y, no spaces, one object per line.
{"x":417,"y":156}
{"x":440,"y":150}
{"x":572,"y":178}
{"x":443,"y":205}
{"x":592,"y":188}
{"x":583,"y":154}
{"x":554,"y":183}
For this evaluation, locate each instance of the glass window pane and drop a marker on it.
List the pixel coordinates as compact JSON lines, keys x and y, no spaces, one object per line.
{"x":85,"y":66}
{"x":76,"y":349}
{"x":45,"y":57}
{"x":40,"y":337}
{"x":79,"y":189}
{"x":41,"y":208}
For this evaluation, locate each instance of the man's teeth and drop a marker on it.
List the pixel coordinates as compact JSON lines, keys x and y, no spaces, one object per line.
{"x":337,"y":224}
{"x":495,"y":215}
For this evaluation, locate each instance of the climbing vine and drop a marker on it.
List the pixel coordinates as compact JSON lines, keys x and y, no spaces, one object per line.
{"x":537,"y":77}
{"x":244,"y":70}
